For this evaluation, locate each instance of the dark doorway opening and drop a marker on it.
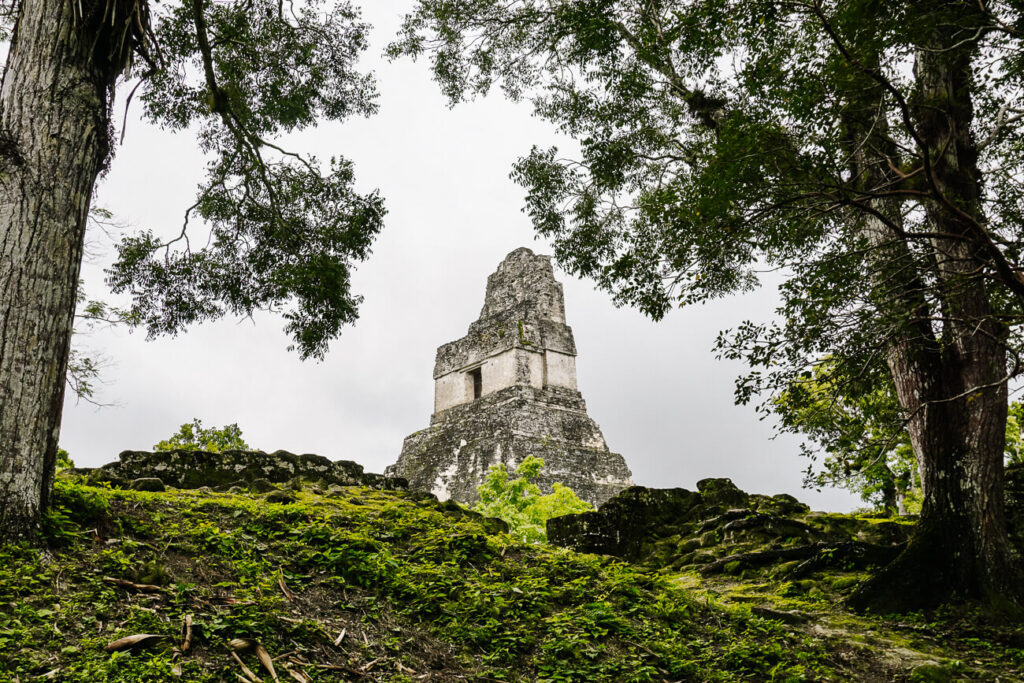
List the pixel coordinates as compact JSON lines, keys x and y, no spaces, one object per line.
{"x":476,"y":377}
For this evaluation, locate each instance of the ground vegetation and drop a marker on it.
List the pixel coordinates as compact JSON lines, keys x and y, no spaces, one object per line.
{"x":353,"y":583}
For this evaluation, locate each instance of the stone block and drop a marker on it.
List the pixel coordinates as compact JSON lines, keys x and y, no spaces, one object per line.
{"x":147,"y":484}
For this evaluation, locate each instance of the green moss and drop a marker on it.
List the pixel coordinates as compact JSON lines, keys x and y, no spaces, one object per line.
{"x":422,"y":585}
{"x":412,"y":582}
{"x":845,"y":583}
{"x":935,"y":672}
{"x":522,"y":335}
{"x":733,"y":567}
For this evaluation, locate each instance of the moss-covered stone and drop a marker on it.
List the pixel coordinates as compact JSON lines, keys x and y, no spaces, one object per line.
{"x":187,"y":469}
{"x":147,"y":484}
{"x":621,"y":525}
{"x":722,"y":492}
{"x":845,"y":583}
{"x":280,"y":496}
{"x":261,"y":485}
{"x":933,"y":672}
{"x":733,"y":567}
{"x":776,"y":534}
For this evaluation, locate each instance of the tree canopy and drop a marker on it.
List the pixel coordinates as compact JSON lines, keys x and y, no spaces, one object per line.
{"x":285,"y":226}
{"x":714,"y":146}
{"x":866,"y":448}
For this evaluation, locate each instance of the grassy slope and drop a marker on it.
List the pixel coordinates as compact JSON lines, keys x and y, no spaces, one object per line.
{"x":422,"y":593}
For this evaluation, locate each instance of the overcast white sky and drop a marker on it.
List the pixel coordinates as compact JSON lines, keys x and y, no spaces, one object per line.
{"x":657,"y":391}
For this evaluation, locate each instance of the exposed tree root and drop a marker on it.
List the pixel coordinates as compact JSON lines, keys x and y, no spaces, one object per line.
{"x":816,"y":555}
{"x":852,"y":554}
{"x":934,"y":569}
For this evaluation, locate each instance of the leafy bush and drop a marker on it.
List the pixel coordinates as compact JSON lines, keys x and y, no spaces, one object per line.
{"x":519,"y":502}
{"x":194,"y":437}
{"x":64,"y":459}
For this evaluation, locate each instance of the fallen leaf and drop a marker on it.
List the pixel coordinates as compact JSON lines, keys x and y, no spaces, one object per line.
{"x":284,"y":588}
{"x":131,"y":585}
{"x":241,"y":644}
{"x":299,"y":675}
{"x":266,"y":661}
{"x":187,"y":628}
{"x":139,"y":639}
{"x":249,"y":675}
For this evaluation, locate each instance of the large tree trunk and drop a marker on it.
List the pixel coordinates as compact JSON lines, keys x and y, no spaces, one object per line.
{"x":958,"y":396}
{"x":53,"y":143}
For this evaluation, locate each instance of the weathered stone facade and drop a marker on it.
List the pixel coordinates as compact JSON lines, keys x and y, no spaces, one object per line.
{"x":508,"y":390}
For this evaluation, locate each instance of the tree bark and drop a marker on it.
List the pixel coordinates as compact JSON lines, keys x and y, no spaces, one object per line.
{"x":958,"y":396}
{"x":54,"y":140}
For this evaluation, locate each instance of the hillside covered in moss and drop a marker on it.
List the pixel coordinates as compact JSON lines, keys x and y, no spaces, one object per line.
{"x":359,"y":584}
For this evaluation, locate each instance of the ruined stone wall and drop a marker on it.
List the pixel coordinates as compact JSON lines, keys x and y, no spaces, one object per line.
{"x":560,"y":370}
{"x":187,"y":469}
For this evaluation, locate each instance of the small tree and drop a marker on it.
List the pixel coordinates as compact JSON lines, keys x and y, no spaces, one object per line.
{"x":194,"y":437}
{"x":519,"y":501}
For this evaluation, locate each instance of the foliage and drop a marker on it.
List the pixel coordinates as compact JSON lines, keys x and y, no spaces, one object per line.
{"x":83,"y":371}
{"x":84,"y":365}
{"x":518,"y":501}
{"x":860,"y":428}
{"x":1014,"y":437}
{"x":714,"y":144}
{"x":414,"y":586}
{"x":64,"y":459}
{"x":285,"y":227}
{"x":192,"y":436}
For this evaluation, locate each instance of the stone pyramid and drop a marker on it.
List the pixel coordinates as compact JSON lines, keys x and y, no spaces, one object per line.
{"x":508,"y":390}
